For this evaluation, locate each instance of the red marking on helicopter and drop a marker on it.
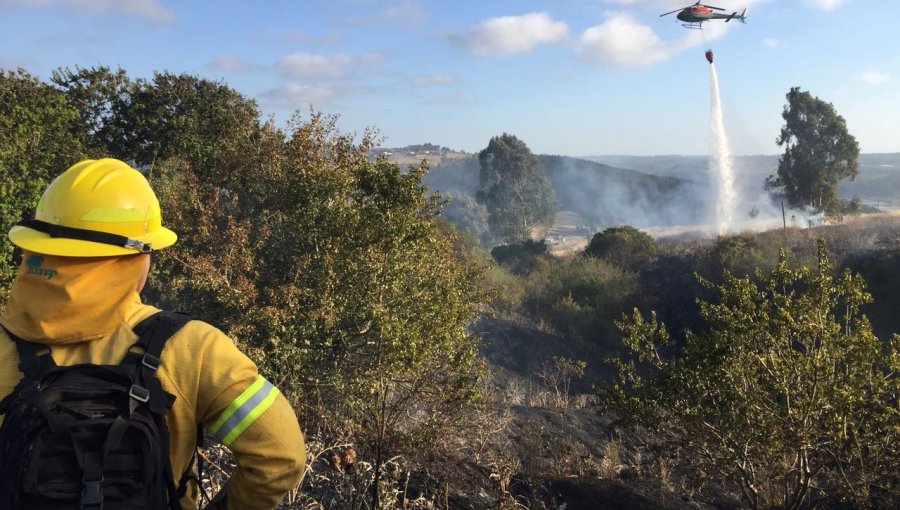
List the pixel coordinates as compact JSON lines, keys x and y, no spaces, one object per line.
{"x":693,"y":16}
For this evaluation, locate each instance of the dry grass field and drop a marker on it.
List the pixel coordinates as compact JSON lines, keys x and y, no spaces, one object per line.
{"x":433,"y":158}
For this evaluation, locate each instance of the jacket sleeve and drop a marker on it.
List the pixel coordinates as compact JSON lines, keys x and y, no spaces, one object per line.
{"x":248,"y":414}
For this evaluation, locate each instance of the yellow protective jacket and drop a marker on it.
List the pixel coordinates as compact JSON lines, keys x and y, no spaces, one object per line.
{"x":84,"y":310}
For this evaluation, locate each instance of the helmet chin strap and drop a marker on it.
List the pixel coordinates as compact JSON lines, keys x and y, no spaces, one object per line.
{"x":80,"y":234}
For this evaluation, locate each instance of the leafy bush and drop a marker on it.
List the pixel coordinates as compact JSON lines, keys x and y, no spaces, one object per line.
{"x":509,"y":289}
{"x":739,"y":255}
{"x":623,"y":245}
{"x":328,"y":268}
{"x":788,"y":394}
{"x":581,"y":297}
{"x":520,"y":258}
{"x":38,"y":139}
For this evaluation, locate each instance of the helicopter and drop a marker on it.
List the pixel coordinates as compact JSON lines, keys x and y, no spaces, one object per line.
{"x":693,"y":16}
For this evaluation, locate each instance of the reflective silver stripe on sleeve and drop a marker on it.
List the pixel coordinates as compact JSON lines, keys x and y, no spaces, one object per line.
{"x":244,"y":410}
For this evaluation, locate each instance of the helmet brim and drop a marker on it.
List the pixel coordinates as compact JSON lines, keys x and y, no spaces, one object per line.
{"x":39,"y":242}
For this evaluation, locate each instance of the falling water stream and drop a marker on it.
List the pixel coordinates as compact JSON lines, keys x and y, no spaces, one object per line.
{"x":720,"y":160}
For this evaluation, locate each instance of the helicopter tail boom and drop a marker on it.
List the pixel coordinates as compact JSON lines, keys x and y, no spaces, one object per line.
{"x":742,"y":18}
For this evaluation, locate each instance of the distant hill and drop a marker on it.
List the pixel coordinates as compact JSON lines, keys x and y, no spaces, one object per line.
{"x":605,"y":195}
{"x":644,"y":191}
{"x":878,"y":182}
{"x":454,"y":176}
{"x":599,"y":195}
{"x":415,"y":154}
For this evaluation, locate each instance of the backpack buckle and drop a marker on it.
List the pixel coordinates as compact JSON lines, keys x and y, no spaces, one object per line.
{"x":139,"y":393}
{"x":92,"y":494}
{"x":150,"y":361}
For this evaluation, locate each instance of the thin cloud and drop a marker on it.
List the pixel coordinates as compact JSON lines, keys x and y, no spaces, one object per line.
{"x":230,"y":63}
{"x":371,"y":59}
{"x":668,"y":5}
{"x":454,"y":99}
{"x":298,"y":37}
{"x":152,"y":10}
{"x":296,"y":95}
{"x":827,"y":5}
{"x":508,"y":35}
{"x":407,"y":12}
{"x":874,"y":78}
{"x":308,"y":65}
{"x":622,"y":41}
{"x":770,"y":42}
{"x":430,"y":80}
{"x":10,"y":63}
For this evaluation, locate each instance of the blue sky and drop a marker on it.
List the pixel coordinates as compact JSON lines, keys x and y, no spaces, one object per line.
{"x":572,"y":77}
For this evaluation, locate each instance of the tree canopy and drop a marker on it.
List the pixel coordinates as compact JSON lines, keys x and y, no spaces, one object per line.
{"x":38,"y":138}
{"x":819,"y":152}
{"x":514,"y":188}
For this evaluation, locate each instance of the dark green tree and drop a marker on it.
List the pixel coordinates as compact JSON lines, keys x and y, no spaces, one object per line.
{"x":623,"y":245}
{"x":819,"y":152}
{"x":201,"y":121}
{"x":737,"y":254}
{"x":39,"y":138}
{"x":519,"y":198}
{"x":100,"y":96}
{"x":788,"y":395}
{"x":205,"y":123}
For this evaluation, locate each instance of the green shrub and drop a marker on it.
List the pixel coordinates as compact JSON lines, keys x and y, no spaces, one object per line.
{"x":623,"y":245}
{"x":520,"y":258}
{"x":788,"y":395}
{"x":581,"y":296}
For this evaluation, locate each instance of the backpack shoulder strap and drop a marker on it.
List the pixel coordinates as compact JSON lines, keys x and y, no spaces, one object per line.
{"x":154,"y":331}
{"x":31,"y":363}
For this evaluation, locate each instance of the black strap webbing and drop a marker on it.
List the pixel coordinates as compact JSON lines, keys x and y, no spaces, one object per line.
{"x":31,"y":363}
{"x":82,"y":234}
{"x":153,"y":332}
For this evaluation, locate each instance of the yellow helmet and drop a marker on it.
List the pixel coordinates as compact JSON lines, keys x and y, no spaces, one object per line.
{"x":96,"y":208}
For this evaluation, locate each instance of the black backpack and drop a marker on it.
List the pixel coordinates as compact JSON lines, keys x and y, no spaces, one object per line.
{"x":90,"y":436}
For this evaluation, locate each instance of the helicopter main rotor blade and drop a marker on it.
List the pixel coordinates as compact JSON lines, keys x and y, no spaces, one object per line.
{"x":670,"y":12}
{"x":711,"y":7}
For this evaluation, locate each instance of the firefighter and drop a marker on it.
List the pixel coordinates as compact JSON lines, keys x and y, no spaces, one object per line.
{"x":86,"y":256}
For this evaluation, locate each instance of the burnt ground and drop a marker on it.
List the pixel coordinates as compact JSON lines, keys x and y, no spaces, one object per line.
{"x":559,"y":452}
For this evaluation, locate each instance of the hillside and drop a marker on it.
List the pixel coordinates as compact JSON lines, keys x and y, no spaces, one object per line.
{"x":878,"y":182}
{"x":414,"y":154}
{"x":605,"y":195}
{"x":591,"y":195}
{"x":664,"y":195}
{"x":583,"y":460}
